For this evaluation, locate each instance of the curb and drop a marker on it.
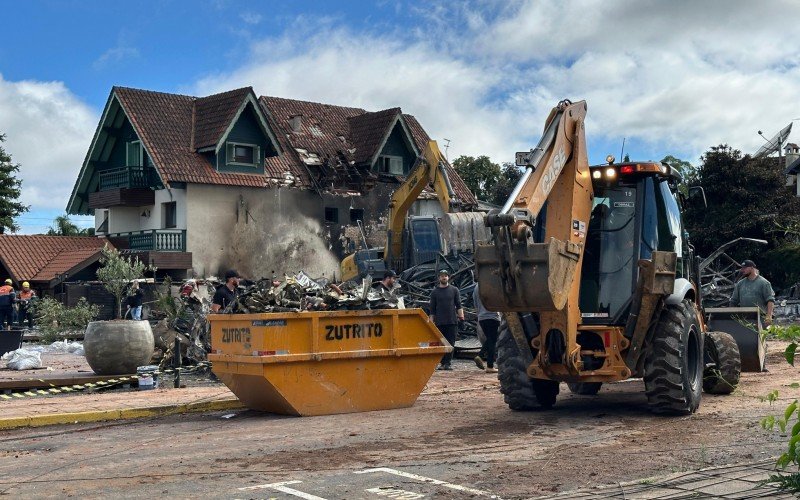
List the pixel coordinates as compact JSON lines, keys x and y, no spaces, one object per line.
{"x":125,"y":414}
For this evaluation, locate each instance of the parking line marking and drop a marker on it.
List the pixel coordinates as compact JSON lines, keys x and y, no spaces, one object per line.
{"x":427,"y":480}
{"x":283,"y":489}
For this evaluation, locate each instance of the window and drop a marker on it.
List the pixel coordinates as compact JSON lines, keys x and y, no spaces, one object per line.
{"x":170,"y":211}
{"x":391,"y":165}
{"x":243,"y":154}
{"x":103,"y":225}
{"x":331,"y":215}
{"x":133,"y":154}
{"x":356,"y":214}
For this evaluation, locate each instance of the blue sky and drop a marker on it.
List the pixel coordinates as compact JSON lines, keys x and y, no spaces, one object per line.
{"x":671,"y":77}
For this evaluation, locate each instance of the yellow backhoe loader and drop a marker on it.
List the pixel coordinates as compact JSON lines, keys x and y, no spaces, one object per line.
{"x":597,"y":281}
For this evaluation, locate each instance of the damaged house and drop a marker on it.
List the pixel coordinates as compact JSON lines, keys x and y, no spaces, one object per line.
{"x":195,"y":185}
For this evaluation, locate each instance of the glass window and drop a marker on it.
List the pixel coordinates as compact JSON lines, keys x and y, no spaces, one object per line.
{"x":356,"y":214}
{"x":133,"y":154}
{"x":673,"y":219}
{"x":170,"y":211}
{"x":332,"y":215}
{"x":243,"y":154}
{"x":391,"y":165}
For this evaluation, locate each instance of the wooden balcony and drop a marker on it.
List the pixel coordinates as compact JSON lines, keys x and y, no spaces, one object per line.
{"x":124,"y":187}
{"x":163,"y":248}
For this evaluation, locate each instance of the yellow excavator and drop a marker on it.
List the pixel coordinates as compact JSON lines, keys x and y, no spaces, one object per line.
{"x":596,"y":279}
{"x":409,"y":240}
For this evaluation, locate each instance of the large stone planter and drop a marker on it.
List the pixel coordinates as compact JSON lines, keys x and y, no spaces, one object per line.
{"x":118,"y":347}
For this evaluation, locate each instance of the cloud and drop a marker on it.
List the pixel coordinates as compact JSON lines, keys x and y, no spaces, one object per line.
{"x":672,"y":77}
{"x":251,"y":18}
{"x":48,"y":130}
{"x":115,"y":55}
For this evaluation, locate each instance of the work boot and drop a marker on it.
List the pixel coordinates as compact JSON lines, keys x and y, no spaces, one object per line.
{"x":480,"y":362}
{"x":440,"y":367}
{"x":447,"y":367}
{"x":490,"y":369}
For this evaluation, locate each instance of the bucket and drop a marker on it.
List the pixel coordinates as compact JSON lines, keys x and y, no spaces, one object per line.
{"x":148,"y":377}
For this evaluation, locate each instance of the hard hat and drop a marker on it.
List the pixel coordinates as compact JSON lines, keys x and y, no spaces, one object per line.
{"x":25,"y":284}
{"x":8,"y":281}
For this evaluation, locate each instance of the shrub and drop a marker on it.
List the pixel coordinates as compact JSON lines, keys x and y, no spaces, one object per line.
{"x":116,"y":273}
{"x":55,"y":320}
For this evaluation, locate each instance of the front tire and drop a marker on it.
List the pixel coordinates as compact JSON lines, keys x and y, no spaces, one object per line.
{"x":723,"y":363}
{"x":520,"y":392}
{"x":585,"y":388}
{"x":674,"y":363}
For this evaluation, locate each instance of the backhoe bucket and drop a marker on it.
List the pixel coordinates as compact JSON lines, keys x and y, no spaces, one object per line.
{"x":321,"y":363}
{"x":538,"y":278}
{"x":744,"y":325}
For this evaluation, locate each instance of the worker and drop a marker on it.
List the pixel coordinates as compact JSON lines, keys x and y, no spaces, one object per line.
{"x":25,"y":300}
{"x":387,"y":290}
{"x":227,"y":293}
{"x":7,"y":298}
{"x":754,"y":291}
{"x":490,"y":322}
{"x":446,"y":313}
{"x":135,"y":300}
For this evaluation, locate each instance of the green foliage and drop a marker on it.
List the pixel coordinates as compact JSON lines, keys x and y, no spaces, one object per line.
{"x":689,"y":173}
{"x":117,"y":272}
{"x":781,"y":265}
{"x":746,"y":197}
{"x":10,"y":207}
{"x":166,"y":305}
{"x":480,"y":174}
{"x":55,"y":320}
{"x":62,"y":226}
{"x":509,"y":176}
{"x":789,"y":420}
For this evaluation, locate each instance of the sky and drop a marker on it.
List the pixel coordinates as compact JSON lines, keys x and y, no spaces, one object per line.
{"x":666,"y":77}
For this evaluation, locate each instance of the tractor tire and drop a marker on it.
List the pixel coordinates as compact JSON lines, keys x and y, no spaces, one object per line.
{"x":520,"y":392}
{"x":723,"y":363}
{"x":585,"y":388}
{"x":673,"y":367}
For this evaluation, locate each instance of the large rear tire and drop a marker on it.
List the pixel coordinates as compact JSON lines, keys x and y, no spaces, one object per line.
{"x":585,"y":388}
{"x":520,"y":392}
{"x":674,"y":364}
{"x":723,"y":363}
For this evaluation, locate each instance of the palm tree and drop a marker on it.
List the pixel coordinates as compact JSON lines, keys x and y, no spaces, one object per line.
{"x":62,"y":226}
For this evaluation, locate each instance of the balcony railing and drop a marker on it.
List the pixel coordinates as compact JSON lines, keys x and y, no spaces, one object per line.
{"x":126,"y":177}
{"x":155,"y":240}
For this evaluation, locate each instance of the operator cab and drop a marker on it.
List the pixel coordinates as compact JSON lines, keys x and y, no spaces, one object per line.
{"x":634,"y":212}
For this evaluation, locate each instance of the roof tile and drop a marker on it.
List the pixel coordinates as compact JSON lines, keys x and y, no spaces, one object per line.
{"x":40,"y":258}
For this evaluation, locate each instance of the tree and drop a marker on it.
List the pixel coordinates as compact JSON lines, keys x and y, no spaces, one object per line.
{"x":746,"y":197}
{"x":62,"y":226}
{"x":688,"y":172}
{"x":10,"y":207}
{"x":117,"y":272}
{"x":509,"y":176}
{"x":479,"y":174}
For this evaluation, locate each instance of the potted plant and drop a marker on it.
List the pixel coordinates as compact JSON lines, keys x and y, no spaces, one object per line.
{"x":118,"y":346}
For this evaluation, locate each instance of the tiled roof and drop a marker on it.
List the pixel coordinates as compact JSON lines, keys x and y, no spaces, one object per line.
{"x":335,"y":134}
{"x":40,"y":258}
{"x":367,"y":132}
{"x":213,"y":114}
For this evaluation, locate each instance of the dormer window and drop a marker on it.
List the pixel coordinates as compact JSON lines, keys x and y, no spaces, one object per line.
{"x":390,"y":165}
{"x":243,"y":154}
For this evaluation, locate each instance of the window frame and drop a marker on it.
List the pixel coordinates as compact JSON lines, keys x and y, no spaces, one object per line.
{"x":128,"y":145}
{"x":386,"y":162}
{"x":335,"y":218}
{"x":165,"y":217}
{"x":230,"y":154}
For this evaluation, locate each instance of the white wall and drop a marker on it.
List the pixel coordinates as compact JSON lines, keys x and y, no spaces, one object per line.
{"x":129,"y":219}
{"x":256,"y":231}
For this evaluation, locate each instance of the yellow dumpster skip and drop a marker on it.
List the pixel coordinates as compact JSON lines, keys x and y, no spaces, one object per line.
{"x":321,"y":363}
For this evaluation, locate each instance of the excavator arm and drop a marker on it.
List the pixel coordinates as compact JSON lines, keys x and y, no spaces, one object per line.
{"x":428,"y":169}
{"x":519,"y":274}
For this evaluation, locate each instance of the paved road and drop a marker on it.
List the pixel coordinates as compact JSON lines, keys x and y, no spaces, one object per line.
{"x":458,"y":441}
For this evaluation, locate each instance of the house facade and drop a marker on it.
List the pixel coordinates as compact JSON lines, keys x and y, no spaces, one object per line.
{"x":195,"y":185}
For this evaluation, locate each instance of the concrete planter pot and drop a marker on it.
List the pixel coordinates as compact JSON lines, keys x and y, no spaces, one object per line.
{"x":118,"y":347}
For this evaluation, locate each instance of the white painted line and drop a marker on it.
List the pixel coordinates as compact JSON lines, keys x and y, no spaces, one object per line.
{"x":283,"y":489}
{"x":430,"y":480}
{"x":387,"y":491}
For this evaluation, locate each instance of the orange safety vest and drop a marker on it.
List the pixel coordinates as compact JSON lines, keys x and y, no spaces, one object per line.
{"x":6,"y":290}
{"x":23,"y":295}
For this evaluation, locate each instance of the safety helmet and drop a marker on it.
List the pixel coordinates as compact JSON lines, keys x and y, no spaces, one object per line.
{"x":25,"y":284}
{"x":8,"y":281}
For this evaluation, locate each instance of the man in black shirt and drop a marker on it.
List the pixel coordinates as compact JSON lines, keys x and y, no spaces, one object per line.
{"x":226,"y":294}
{"x":446,"y":312}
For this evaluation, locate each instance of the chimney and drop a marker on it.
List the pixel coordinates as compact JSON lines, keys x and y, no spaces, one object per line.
{"x":296,"y":122}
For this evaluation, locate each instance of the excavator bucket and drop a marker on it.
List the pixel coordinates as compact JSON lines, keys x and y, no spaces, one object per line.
{"x":538,"y":279}
{"x":744,"y":325}
{"x":321,"y":363}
